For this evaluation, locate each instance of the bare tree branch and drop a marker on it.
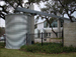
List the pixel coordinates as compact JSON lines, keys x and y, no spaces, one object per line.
{"x":70,"y":17}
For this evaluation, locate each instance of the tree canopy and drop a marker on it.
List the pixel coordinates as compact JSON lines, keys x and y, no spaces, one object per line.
{"x":52,"y":6}
{"x":10,"y":5}
{"x":62,"y":7}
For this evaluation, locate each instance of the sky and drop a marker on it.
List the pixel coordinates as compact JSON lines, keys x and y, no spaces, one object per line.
{"x":2,"y":23}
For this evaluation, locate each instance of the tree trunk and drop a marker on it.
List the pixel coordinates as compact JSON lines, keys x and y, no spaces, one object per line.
{"x":51,"y":27}
{"x":54,"y":32}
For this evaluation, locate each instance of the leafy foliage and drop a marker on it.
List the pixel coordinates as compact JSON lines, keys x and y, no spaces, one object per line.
{"x":10,"y":5}
{"x":2,"y":45}
{"x":2,"y":31}
{"x":48,"y":48}
{"x":62,"y":7}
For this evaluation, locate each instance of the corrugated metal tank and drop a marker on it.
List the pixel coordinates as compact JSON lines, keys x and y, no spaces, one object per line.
{"x":17,"y":25}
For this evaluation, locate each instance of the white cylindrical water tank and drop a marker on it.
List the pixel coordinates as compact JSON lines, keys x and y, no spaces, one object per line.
{"x":16,"y":29}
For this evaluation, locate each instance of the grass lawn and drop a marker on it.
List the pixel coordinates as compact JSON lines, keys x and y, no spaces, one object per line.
{"x":17,"y":53}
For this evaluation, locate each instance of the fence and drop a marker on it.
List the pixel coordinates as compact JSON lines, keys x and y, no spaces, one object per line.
{"x":40,"y":38}
{"x":43,"y":37}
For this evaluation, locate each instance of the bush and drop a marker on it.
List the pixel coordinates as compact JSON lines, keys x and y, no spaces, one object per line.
{"x":69,"y":49}
{"x":2,"y":45}
{"x":48,"y":48}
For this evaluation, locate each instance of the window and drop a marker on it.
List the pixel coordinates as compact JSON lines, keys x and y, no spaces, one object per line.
{"x":35,"y":26}
{"x":54,"y":23}
{"x":49,"y":34}
{"x":61,"y":21}
{"x":45,"y":24}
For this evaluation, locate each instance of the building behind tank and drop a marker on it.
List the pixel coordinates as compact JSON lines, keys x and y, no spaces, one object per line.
{"x":42,"y":25}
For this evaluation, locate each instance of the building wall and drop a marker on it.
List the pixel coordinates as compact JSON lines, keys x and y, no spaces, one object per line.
{"x":66,"y":21}
{"x":40,"y":26}
{"x":43,"y":26}
{"x":70,"y":34}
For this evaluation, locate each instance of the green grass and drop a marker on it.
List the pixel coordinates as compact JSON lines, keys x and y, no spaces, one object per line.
{"x":17,"y":53}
